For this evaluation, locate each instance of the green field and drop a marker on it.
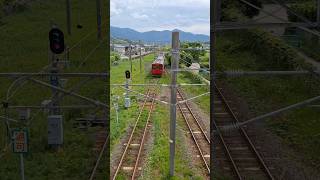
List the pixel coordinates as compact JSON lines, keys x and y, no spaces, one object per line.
{"x":24,"y":36}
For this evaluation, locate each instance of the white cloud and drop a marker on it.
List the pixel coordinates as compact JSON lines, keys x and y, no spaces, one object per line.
{"x":114,"y":9}
{"x":199,"y":28}
{"x":187,"y":15}
{"x":139,"y":16}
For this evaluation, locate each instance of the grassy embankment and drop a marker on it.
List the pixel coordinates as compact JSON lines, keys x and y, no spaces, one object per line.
{"x":157,"y":164}
{"x":298,"y":128}
{"x":25,"y":49}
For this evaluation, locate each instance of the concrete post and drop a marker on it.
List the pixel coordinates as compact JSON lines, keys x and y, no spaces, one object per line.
{"x":214,"y":19}
{"x":174,"y":68}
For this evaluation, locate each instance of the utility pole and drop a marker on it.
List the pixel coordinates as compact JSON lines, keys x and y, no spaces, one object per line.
{"x":214,"y":19}
{"x":68,"y":8}
{"x":154,"y":51}
{"x":173,"y":115}
{"x":99,"y":35}
{"x":130,"y":59}
{"x":140,"y":57}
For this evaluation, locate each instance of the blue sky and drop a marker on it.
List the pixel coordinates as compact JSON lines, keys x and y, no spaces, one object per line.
{"x":145,"y":15}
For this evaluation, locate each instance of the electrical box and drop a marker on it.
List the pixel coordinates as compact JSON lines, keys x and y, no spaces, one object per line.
{"x":44,"y":104}
{"x":63,"y":83}
{"x":24,"y":114}
{"x":55,"y":130}
{"x":127,"y":102}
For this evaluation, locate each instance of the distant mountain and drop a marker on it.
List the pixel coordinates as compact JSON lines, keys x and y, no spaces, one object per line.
{"x":155,"y":36}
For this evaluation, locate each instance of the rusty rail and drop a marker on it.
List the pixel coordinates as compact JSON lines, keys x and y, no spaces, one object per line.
{"x":130,"y":138}
{"x":245,"y":135}
{"x":191,"y":131}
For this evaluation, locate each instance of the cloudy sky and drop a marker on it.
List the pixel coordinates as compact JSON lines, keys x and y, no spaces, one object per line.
{"x":145,"y":15}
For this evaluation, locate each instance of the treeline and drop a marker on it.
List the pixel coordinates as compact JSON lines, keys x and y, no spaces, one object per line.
{"x":274,"y":52}
{"x":307,"y":9}
{"x":235,"y":10}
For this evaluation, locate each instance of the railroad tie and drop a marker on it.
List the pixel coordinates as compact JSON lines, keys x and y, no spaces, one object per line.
{"x":206,"y":156}
{"x":132,"y":144}
{"x":129,"y":168}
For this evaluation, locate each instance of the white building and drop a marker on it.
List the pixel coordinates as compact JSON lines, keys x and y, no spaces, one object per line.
{"x":119,"y":49}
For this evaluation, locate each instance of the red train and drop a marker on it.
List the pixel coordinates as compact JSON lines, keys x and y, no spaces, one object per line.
{"x":158,"y":66}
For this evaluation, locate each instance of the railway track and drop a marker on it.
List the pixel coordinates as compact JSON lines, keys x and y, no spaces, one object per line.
{"x":129,"y":165}
{"x":198,"y":134}
{"x":236,"y":155}
{"x":102,"y":139}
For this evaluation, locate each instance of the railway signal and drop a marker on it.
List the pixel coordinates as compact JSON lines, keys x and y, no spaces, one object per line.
{"x":127,"y":74}
{"x":127,"y":98}
{"x":56,"y":38}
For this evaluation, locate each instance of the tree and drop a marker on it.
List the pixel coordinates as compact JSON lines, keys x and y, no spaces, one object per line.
{"x":192,"y":55}
{"x":251,"y":11}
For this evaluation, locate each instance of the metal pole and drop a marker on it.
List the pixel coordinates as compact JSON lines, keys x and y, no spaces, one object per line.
{"x":174,"y":67}
{"x":99,"y":19}
{"x":214,"y":19}
{"x":154,"y":51}
{"x":68,"y":8}
{"x":318,"y":13}
{"x":22,"y":166}
{"x":130,"y":60}
{"x":6,"y":114}
{"x":54,"y":81}
{"x":218,"y":10}
{"x":127,"y":88}
{"x":140,"y":56}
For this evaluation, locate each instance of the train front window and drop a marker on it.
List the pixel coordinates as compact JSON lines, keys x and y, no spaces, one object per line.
{"x":156,"y":66}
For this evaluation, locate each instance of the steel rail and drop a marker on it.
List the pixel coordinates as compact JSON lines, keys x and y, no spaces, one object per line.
{"x":228,"y":152}
{"x":194,"y":138}
{"x":99,"y":158}
{"x":243,"y":132}
{"x":142,"y":140}
{"x":194,"y":116}
{"x":130,"y":139}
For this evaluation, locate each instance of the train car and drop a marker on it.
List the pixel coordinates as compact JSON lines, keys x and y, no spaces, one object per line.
{"x":157,"y":68}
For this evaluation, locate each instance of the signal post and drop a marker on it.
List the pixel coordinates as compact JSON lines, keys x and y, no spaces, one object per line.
{"x":55,"y":120}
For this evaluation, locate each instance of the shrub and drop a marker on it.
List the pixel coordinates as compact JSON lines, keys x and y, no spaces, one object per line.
{"x":274,"y":52}
{"x":307,"y":9}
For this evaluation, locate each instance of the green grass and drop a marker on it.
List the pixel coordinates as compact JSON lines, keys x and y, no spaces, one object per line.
{"x":158,"y":161}
{"x":25,"y":49}
{"x":188,"y":78}
{"x":126,"y":116}
{"x":298,"y":128}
